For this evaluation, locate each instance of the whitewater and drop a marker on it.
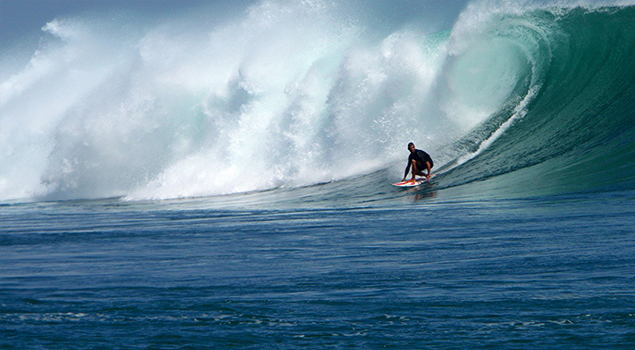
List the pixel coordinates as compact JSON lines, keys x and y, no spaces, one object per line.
{"x":210,"y":175}
{"x":278,"y":95}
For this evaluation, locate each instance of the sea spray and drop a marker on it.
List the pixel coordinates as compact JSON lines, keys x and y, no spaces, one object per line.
{"x":283,"y":94}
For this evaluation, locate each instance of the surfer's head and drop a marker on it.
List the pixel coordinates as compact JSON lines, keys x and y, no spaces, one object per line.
{"x":411,"y":147}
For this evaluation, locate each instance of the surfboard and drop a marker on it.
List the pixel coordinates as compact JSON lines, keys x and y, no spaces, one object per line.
{"x":409,"y":183}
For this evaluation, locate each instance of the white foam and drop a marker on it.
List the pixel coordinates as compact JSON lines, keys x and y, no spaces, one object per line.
{"x":283,"y":94}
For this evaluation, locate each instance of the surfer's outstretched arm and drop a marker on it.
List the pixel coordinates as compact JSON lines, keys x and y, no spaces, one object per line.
{"x":405,"y":174}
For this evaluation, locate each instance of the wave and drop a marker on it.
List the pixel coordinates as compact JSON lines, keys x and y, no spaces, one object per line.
{"x":578,"y":128}
{"x":285,"y":95}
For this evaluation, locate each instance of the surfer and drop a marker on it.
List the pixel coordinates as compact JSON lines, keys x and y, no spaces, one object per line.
{"x":418,"y":160}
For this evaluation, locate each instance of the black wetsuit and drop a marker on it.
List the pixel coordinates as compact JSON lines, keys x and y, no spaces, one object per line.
{"x":421,"y":157}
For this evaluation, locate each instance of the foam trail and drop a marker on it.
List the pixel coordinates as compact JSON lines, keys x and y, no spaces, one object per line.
{"x":519,"y":112}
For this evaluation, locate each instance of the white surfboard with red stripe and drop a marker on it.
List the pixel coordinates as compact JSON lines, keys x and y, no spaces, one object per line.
{"x":409,"y":183}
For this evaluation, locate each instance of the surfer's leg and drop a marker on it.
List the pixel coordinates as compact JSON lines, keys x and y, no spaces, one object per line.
{"x":415,"y":170}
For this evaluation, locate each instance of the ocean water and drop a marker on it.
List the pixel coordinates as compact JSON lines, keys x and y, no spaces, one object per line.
{"x":205,"y":181}
{"x":526,"y":273}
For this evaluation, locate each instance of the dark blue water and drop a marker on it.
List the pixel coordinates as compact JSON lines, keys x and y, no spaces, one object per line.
{"x":550,"y":272}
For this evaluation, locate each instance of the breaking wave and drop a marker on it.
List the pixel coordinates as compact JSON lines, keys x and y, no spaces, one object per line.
{"x":284,"y":95}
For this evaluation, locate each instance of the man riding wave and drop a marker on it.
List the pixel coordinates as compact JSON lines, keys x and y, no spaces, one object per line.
{"x":418,"y":160}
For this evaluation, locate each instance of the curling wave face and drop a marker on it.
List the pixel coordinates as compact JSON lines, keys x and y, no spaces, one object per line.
{"x":577,"y":131}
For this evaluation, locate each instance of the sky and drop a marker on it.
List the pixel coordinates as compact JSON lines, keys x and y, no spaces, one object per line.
{"x":21,"y":20}
{"x":25,"y":18}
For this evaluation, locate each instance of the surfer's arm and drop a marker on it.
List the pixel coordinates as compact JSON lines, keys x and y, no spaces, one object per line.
{"x":405,"y":174}
{"x":429,"y":170}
